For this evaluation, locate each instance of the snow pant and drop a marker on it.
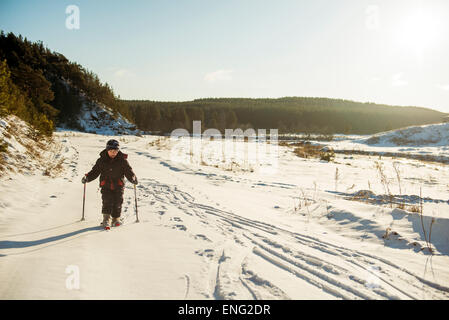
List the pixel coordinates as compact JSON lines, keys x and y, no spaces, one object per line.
{"x":112,"y":201}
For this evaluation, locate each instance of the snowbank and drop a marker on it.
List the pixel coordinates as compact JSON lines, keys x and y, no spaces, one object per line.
{"x":434,"y":135}
{"x":428,"y":143}
{"x":22,"y":154}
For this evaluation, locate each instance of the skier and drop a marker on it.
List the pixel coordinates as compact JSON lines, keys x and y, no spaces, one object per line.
{"x":112,"y":166}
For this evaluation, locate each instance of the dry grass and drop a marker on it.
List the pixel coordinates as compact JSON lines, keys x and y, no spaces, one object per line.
{"x":336,"y":178}
{"x":3,"y":146}
{"x":160,"y":143}
{"x":40,"y":153}
{"x":54,"y":169}
{"x":428,"y":158}
{"x":398,"y":175}
{"x":308,"y":151}
{"x":421,"y":214}
{"x":2,"y":160}
{"x":384,"y":181}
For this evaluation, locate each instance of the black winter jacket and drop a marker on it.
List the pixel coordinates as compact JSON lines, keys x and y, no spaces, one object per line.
{"x":111,"y":171}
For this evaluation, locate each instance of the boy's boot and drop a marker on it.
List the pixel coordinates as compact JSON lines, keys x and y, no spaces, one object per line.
{"x":116,"y":222}
{"x":106,"y":220}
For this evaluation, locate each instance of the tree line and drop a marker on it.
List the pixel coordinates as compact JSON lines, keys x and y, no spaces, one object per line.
{"x":288,"y":115}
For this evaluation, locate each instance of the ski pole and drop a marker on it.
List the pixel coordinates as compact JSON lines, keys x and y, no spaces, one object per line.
{"x":135,"y":198}
{"x":84,"y":200}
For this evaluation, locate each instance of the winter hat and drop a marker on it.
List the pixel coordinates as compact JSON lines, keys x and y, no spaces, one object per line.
{"x":112,"y":144}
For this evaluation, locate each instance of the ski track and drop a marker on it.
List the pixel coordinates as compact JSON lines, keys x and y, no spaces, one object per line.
{"x":265,"y":240}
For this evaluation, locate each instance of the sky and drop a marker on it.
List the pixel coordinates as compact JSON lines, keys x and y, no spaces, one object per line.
{"x":383,"y":51}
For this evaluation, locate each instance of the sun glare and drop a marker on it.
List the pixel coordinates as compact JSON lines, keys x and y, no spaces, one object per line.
{"x":419,"y":30}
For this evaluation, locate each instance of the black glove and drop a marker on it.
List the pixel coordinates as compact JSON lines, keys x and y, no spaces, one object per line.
{"x":134,"y":180}
{"x":84,"y":180}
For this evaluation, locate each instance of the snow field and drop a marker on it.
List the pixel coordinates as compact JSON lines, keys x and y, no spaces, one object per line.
{"x":210,"y":230}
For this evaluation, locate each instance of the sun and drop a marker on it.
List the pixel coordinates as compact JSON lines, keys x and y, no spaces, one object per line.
{"x":419,"y":30}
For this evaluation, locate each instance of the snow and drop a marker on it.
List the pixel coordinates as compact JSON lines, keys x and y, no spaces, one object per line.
{"x":25,"y":155}
{"x":428,"y":142}
{"x":428,"y":135}
{"x":98,"y":118}
{"x":215,"y":227}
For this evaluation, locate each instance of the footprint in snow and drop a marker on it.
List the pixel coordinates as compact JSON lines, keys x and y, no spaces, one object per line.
{"x":202,"y":236}
{"x":207,"y":253}
{"x":180,"y":227}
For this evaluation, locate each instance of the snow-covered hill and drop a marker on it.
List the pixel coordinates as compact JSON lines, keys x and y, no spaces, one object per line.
{"x":209,"y":230}
{"x":429,"y":142}
{"x":22,"y":154}
{"x":98,"y":118}
{"x":434,"y":135}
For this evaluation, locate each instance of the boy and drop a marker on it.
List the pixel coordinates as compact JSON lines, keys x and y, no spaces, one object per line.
{"x":112,"y":167}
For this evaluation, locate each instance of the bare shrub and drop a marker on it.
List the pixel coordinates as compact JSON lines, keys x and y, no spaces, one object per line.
{"x":337,"y":178}
{"x":384,"y":180}
{"x":308,"y":151}
{"x":421,"y":214}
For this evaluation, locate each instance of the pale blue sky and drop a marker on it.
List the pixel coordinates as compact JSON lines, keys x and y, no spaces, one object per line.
{"x":384,"y":51}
